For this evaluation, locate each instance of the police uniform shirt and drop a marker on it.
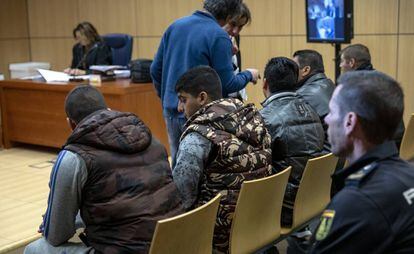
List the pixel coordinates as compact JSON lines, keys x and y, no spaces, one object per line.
{"x":374,"y":212}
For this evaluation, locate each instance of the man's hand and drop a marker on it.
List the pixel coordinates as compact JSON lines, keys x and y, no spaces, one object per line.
{"x":255,"y":74}
{"x":77,"y":72}
{"x":74,"y":72}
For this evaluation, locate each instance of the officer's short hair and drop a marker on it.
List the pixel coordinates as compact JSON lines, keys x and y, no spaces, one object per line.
{"x":281,"y":74}
{"x":312,"y":58}
{"x":357,"y":51}
{"x":200,"y":79}
{"x":222,"y":9}
{"x":376,"y":98}
{"x":82,"y":101}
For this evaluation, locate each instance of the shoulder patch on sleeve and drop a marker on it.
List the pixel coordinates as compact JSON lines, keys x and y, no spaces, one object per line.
{"x":325,"y":224}
{"x":355,"y":178}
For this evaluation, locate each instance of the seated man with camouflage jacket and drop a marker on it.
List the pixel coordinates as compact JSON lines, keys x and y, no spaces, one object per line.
{"x":224,"y":143}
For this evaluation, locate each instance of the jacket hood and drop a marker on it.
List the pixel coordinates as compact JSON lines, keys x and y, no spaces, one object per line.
{"x":112,"y":130}
{"x":233,"y":117}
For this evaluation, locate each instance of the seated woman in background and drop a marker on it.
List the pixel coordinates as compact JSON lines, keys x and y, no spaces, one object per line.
{"x":90,"y":50}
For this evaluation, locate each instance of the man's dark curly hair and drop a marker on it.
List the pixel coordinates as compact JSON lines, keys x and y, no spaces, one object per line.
{"x":222,"y":9}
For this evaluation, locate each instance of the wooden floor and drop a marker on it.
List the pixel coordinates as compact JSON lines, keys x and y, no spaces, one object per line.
{"x":24,"y":178}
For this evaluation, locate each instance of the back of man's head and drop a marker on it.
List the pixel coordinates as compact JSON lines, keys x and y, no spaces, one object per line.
{"x":358,"y":52}
{"x":281,"y":74}
{"x":200,"y":79}
{"x":223,"y":9}
{"x":82,"y":101}
{"x":311,"y":58}
{"x":376,"y":99}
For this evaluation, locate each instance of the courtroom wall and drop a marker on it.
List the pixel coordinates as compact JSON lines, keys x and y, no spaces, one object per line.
{"x":41,"y":30}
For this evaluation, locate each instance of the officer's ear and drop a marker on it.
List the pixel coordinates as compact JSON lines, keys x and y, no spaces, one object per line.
{"x":350,"y":123}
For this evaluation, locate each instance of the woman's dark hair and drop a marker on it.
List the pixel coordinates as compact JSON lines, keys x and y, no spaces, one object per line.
{"x":223,"y":9}
{"x":243,"y":13}
{"x":88,"y":30}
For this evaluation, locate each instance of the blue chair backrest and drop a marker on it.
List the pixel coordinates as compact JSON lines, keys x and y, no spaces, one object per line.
{"x":121,"y":46}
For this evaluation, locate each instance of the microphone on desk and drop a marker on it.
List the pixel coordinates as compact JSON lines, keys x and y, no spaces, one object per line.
{"x":73,"y":77}
{"x":82,"y":61}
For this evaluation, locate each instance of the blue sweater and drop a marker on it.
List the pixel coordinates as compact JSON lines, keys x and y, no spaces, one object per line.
{"x":189,"y":42}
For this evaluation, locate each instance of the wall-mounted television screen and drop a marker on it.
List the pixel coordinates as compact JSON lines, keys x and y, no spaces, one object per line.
{"x":329,"y":21}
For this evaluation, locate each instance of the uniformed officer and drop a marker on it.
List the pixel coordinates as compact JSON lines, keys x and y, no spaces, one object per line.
{"x":374,"y":212}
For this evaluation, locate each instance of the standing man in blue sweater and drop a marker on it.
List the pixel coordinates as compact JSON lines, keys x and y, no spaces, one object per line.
{"x":192,"y":41}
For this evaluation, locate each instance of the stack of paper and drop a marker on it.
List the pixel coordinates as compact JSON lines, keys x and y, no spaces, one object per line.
{"x":105,"y":68}
{"x":56,"y":76}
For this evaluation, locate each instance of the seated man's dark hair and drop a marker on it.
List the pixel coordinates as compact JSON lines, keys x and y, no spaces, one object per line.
{"x":357,"y":51}
{"x":222,"y":9}
{"x":200,"y":79}
{"x":312,"y":58}
{"x":376,"y":98}
{"x":82,"y":101}
{"x":281,"y":74}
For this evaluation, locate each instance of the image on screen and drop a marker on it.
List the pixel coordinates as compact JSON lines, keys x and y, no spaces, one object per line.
{"x":326,"y":20}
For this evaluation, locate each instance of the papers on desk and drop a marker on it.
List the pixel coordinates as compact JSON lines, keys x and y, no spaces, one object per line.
{"x":57,"y":76}
{"x":122,"y":73}
{"x":106,"y":68}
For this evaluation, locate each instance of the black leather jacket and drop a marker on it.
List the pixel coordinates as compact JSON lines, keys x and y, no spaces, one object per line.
{"x":317,"y":90}
{"x":297,"y":133}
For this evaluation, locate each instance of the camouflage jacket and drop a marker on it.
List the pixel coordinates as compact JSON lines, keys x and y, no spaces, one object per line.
{"x":240,"y":151}
{"x":129,"y":185}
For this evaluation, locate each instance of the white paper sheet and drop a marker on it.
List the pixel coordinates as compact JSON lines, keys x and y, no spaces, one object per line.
{"x":57,"y":76}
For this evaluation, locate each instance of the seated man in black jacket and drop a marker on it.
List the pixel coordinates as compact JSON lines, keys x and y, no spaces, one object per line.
{"x":314,"y":87}
{"x":356,"y":57}
{"x":295,"y":128}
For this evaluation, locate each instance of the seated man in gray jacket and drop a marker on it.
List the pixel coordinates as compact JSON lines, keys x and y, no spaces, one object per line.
{"x":295,"y":128}
{"x":115,"y":173}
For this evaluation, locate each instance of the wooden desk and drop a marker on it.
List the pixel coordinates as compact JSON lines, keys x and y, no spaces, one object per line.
{"x":33,"y":112}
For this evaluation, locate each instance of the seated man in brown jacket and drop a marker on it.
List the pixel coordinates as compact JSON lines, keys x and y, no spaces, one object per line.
{"x":223,"y":144}
{"x":115,"y":173}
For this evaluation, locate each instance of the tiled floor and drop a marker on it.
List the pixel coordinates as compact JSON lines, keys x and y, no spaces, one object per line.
{"x":24,"y":177}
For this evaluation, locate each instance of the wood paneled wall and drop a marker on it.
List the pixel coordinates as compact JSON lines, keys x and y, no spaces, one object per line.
{"x":14,"y":34}
{"x":41,"y":30}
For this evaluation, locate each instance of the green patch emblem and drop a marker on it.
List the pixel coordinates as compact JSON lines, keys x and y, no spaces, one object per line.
{"x":325,"y":225}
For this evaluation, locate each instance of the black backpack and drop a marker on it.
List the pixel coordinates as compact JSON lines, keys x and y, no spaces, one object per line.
{"x":140,"y":70}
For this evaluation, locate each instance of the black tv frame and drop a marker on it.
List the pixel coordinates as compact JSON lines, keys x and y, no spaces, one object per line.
{"x":348,"y":25}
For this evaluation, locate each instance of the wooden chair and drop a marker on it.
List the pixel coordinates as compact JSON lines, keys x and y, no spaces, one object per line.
{"x":188,"y":233}
{"x":314,"y":191}
{"x":256,"y":220}
{"x":407,"y":143}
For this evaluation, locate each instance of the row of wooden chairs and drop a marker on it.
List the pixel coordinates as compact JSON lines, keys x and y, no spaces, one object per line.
{"x":407,"y":143}
{"x":256,"y":221}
